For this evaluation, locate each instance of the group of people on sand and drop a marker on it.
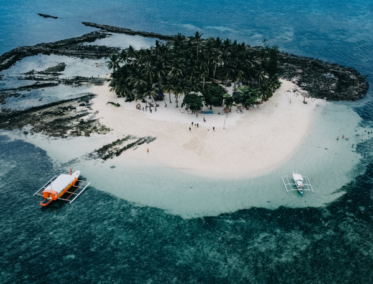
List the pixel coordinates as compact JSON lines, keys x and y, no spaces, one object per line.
{"x":197,"y":125}
{"x":155,"y":109}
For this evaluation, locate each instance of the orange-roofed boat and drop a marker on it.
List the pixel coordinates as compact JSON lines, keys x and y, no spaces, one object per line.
{"x":58,"y":186}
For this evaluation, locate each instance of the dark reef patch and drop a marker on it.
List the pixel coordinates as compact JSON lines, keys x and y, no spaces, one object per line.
{"x":119,"y":146}
{"x":70,"y":47}
{"x":322,"y":79}
{"x":60,"y":119}
{"x":113,"y":29}
{"x":47,"y":16}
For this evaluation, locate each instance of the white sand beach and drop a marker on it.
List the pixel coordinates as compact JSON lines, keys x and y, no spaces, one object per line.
{"x":242,"y":145}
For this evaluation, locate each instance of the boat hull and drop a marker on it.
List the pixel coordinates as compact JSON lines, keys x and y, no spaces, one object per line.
{"x":49,"y":197}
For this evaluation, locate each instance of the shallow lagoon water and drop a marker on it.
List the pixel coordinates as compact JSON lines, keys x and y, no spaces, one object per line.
{"x":156,"y":225}
{"x":330,"y":164}
{"x":106,"y":239}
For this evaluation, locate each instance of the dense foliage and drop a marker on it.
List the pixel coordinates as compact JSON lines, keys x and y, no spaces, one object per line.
{"x":192,"y":102}
{"x":195,"y":65}
{"x":214,"y":95}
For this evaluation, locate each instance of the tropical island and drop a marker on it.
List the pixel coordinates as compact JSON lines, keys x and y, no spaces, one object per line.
{"x":227,"y":108}
{"x":198,"y":70}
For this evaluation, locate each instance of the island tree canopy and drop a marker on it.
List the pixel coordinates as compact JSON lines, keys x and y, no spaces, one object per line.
{"x":193,"y":64}
{"x":248,"y":96}
{"x":213,"y":95}
{"x":192,"y":102}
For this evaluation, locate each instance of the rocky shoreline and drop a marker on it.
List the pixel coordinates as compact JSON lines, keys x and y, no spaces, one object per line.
{"x":320,"y":79}
{"x":117,"y":147}
{"x":47,"y":16}
{"x":113,"y":29}
{"x":60,"y":119}
{"x":323,"y":80}
{"x":73,"y":117}
{"x":69,"y":47}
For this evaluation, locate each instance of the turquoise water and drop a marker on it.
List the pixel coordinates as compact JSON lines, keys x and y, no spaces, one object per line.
{"x":170,"y":227}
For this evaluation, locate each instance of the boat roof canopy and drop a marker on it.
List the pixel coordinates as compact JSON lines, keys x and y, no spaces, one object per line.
{"x":60,"y":183}
{"x":297,"y":177}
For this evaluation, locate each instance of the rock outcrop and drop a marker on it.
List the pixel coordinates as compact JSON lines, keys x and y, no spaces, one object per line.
{"x":117,"y":147}
{"x":59,"y":119}
{"x":36,"y":85}
{"x":323,"y":80}
{"x":47,"y":16}
{"x":113,"y":29}
{"x":70,"y":47}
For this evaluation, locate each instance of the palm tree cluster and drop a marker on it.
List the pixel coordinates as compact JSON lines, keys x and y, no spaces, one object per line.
{"x":192,"y":65}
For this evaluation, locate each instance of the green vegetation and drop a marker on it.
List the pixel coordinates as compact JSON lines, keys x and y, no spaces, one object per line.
{"x":248,"y":96}
{"x":214,"y":95}
{"x":192,"y":102}
{"x":191,"y":65}
{"x":228,"y":100}
{"x":114,"y":104}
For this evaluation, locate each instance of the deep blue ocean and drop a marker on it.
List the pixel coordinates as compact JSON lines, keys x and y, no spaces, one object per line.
{"x":105,"y":239}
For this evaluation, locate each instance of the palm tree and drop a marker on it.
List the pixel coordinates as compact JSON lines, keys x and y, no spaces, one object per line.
{"x":177,"y":68}
{"x":174,"y":67}
{"x":113,"y":62}
{"x":179,"y":39}
{"x":229,"y":73}
{"x":194,"y":84}
{"x":137,"y":81}
{"x":185,"y":86}
{"x":180,"y":88}
{"x":260,"y":73}
{"x":131,"y":53}
{"x":149,"y":71}
{"x":123,"y":56}
{"x":148,"y":91}
{"x":204,"y":72}
{"x":170,"y":85}
{"x":216,"y":59}
{"x":197,"y":37}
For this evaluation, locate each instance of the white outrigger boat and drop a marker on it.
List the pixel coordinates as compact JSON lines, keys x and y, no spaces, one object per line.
{"x":56,"y":187}
{"x":298,"y":183}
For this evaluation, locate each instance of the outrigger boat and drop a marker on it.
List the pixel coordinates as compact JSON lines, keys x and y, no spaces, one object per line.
{"x":56,"y":187}
{"x":298,"y":183}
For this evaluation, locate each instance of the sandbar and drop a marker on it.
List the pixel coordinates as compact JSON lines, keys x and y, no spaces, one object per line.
{"x":243,"y":144}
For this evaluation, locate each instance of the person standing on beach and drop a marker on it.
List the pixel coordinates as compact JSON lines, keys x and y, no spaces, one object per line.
{"x":213,"y":128}
{"x":192,"y":123}
{"x":190,"y":129}
{"x":197,"y":125}
{"x":204,"y":119}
